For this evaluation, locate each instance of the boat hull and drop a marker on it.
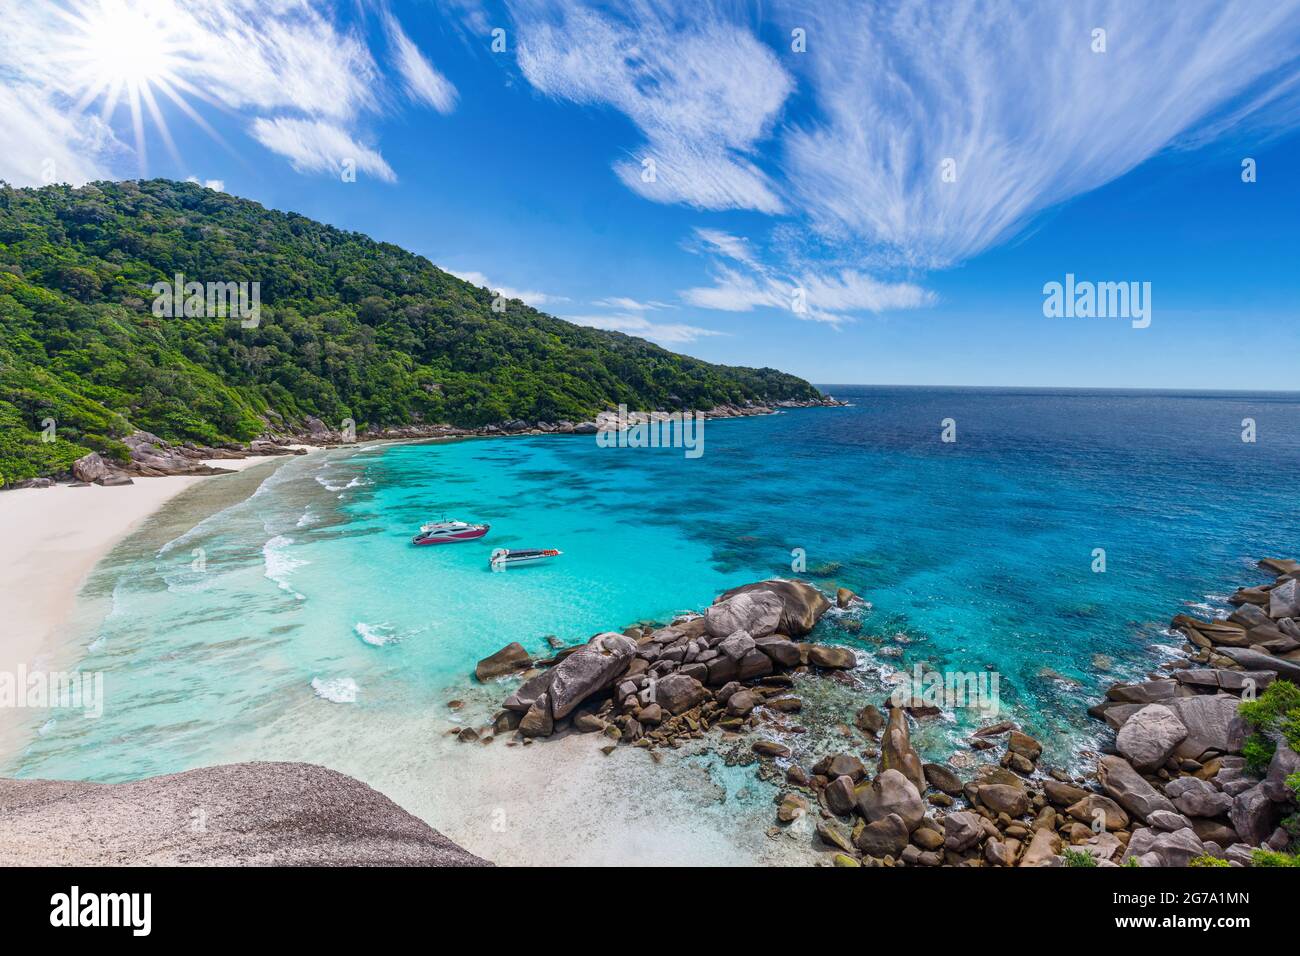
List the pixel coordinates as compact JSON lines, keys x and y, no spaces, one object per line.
{"x":507,"y":559}
{"x":469,"y":534}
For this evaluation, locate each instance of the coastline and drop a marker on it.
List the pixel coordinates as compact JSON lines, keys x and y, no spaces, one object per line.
{"x":54,"y":538}
{"x":56,"y":535}
{"x":1198,"y":768}
{"x":803,"y":710}
{"x":49,"y":548}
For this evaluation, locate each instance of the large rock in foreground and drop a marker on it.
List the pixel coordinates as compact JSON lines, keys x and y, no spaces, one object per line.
{"x":259,"y":814}
{"x":891,"y":792}
{"x":1148,"y":737}
{"x":90,"y":468}
{"x":756,"y":613}
{"x":1212,"y":723}
{"x":1128,"y":788}
{"x":589,"y":670}
{"x":1154,"y":848}
{"x":802,"y":604}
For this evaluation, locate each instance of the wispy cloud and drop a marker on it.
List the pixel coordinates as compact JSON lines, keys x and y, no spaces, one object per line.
{"x":526,"y":296}
{"x":630,"y":305}
{"x":291,"y":55}
{"x":42,"y":143}
{"x":318,"y":146}
{"x":1015,"y":102}
{"x":742,"y":283}
{"x":703,"y":92}
{"x":422,"y":82}
{"x":1018,"y":98}
{"x":666,"y":333}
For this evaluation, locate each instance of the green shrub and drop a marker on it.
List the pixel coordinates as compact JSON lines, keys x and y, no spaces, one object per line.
{"x":1289,"y":725}
{"x":1276,"y":712}
{"x":1268,"y":708}
{"x":1078,"y":858}
{"x":1258,"y":752}
{"x":1270,"y":859}
{"x":1206,"y":860}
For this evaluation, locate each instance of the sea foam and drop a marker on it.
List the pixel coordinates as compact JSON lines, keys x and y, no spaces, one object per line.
{"x":337,"y":690}
{"x":376,"y":635}
{"x":280,"y":564}
{"x":328,"y":485}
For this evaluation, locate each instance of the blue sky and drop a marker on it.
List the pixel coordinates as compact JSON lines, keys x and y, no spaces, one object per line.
{"x":815,"y":176}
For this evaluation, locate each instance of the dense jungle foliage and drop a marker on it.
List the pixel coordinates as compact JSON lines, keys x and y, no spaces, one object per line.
{"x":349,"y":328}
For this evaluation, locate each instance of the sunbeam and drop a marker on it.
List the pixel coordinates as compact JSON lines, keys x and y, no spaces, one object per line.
{"x":122,"y":50}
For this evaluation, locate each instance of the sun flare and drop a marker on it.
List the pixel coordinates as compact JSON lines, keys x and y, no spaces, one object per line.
{"x":124,"y":53}
{"x":125,"y":49}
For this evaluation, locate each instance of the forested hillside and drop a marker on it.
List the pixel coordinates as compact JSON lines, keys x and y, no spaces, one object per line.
{"x":349,"y":328}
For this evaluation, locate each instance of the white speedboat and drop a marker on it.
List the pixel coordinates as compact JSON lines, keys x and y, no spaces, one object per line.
{"x":507,"y":557}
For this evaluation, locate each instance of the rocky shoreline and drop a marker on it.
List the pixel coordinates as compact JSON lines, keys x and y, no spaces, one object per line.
{"x":317,"y":432}
{"x":1183,"y":782}
{"x":150,"y":456}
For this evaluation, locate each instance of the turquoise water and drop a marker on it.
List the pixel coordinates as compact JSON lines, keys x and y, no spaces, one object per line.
{"x":976,"y":555}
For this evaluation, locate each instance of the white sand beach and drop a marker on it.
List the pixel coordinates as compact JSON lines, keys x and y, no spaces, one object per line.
{"x":51,"y":538}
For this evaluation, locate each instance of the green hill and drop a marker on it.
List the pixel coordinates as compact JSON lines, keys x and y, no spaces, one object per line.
{"x":349,"y":328}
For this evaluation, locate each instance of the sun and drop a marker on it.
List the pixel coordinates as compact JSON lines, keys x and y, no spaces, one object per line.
{"x":124,"y":47}
{"x":123,"y":53}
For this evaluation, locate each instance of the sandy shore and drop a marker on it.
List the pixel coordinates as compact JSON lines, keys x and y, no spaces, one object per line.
{"x":51,"y":538}
{"x":558,"y":802}
{"x":561,"y":801}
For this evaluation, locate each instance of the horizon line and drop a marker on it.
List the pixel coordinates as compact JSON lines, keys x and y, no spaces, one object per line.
{"x":1070,"y":388}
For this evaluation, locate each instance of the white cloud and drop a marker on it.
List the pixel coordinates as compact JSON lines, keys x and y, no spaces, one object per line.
{"x":318,"y":146}
{"x":733,"y":291}
{"x":717,"y":242}
{"x":289,"y":55}
{"x":704,"y":178}
{"x":469,"y":16}
{"x":1012,"y":93}
{"x":526,"y":296}
{"x":742,"y":283}
{"x":703,"y":91}
{"x":848,"y":290}
{"x":1016,"y":96}
{"x":421,"y":80}
{"x":625,"y":304}
{"x":667,"y":333}
{"x":42,"y":143}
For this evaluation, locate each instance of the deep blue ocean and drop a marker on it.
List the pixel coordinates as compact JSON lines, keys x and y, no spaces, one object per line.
{"x":301,"y":623}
